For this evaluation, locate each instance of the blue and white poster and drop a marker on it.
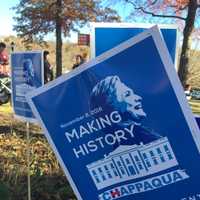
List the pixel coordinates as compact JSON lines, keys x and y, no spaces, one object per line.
{"x":121,"y":126}
{"x":27,"y":75}
{"x":105,"y":36}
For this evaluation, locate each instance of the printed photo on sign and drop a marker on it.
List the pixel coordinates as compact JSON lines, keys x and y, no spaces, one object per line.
{"x":121,"y":126}
{"x":27,"y":75}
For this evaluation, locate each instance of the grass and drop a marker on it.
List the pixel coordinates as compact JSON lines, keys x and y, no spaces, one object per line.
{"x":6,"y":109}
{"x":195,"y":105}
{"x":47,"y":179}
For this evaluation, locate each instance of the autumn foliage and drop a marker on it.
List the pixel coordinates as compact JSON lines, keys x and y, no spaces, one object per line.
{"x":185,"y":12}
{"x":36,"y":18}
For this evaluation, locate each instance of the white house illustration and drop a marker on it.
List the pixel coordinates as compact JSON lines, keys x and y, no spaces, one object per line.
{"x":131,"y":162}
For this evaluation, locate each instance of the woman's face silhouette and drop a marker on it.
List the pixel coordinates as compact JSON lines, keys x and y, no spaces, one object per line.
{"x":129,"y":102}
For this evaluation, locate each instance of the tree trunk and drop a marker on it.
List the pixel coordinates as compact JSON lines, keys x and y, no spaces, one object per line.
{"x":189,"y":26}
{"x":58,"y":38}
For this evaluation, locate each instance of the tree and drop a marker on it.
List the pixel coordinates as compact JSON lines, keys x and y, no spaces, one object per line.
{"x":37,"y":18}
{"x":184,"y":10}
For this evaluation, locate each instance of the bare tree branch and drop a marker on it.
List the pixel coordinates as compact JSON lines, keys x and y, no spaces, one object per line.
{"x":159,"y":15}
{"x":153,"y":3}
{"x":153,"y":14}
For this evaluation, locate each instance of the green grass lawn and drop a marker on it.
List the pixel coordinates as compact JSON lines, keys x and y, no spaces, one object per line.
{"x":195,"y":105}
{"x":6,"y":108}
{"x":47,"y":179}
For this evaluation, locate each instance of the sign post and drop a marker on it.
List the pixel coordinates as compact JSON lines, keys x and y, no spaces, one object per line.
{"x":28,"y":159}
{"x":27,"y":74}
{"x":83,"y":39}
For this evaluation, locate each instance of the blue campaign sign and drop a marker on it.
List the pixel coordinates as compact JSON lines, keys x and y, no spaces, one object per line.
{"x":198,"y":120}
{"x":27,"y":75}
{"x":121,"y":126}
{"x":108,"y":35}
{"x":105,"y":36}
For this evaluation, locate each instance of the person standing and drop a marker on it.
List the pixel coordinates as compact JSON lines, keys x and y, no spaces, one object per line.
{"x":79,"y":61}
{"x":48,"y":72}
{"x":4,"y":58}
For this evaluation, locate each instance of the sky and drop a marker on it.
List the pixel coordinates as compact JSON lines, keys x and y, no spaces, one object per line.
{"x":6,"y":15}
{"x":7,"y":21}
